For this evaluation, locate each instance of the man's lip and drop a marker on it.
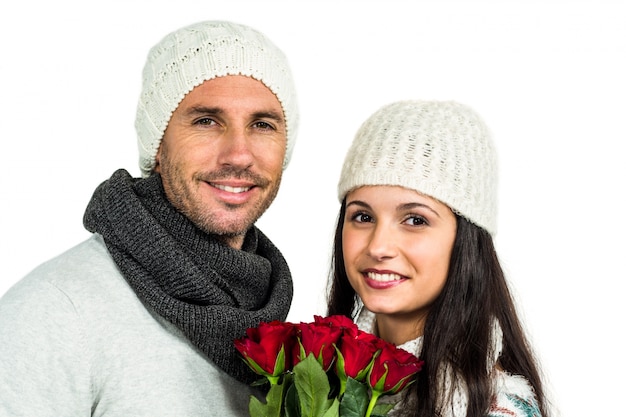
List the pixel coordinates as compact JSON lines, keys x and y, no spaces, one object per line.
{"x":232,"y":183}
{"x":230,"y":188}
{"x":232,"y":192}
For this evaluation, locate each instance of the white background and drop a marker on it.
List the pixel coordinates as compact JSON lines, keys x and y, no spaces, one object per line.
{"x":547,"y":76}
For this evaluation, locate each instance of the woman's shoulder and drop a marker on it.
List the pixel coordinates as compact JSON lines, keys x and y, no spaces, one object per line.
{"x":513,"y":397}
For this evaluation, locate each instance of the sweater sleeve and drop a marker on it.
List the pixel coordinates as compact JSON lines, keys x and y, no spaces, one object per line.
{"x":43,"y":366}
{"x":514,"y":398}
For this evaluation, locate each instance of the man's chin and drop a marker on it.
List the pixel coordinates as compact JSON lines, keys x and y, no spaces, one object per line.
{"x":228,"y":230}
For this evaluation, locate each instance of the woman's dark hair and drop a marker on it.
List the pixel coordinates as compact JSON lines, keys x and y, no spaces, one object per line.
{"x":458,"y":329}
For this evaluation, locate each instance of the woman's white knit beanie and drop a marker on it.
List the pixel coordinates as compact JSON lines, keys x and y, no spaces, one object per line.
{"x":439,"y":148}
{"x":186,"y":58}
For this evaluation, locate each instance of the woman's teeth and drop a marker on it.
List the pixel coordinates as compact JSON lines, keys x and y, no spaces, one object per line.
{"x":383,"y":277}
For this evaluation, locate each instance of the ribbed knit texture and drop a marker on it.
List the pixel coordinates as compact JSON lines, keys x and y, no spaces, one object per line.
{"x":186,"y":58}
{"x":439,"y":148}
{"x":212,"y":292}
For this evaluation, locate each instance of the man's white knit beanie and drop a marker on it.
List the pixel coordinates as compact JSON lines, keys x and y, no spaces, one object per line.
{"x":194,"y":54}
{"x":439,"y":148}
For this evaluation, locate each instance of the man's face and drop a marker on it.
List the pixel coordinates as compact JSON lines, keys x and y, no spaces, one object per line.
{"x":222,"y":155}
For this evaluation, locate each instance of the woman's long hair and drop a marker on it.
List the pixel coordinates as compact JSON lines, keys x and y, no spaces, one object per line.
{"x":458,"y":330}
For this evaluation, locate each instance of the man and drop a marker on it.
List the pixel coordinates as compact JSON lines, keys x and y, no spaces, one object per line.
{"x":139,"y":320}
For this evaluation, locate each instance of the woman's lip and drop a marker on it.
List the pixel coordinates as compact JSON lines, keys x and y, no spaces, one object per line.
{"x":382,"y":279}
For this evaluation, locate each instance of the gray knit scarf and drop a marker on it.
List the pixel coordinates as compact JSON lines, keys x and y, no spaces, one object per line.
{"x":212,"y":292}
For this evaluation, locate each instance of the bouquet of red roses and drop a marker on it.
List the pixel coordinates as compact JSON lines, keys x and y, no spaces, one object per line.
{"x":327,"y":368}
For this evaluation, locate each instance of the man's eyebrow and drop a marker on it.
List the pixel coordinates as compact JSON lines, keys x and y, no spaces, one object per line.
{"x":277,"y":117}
{"x":269,"y":114}
{"x":203,"y":110}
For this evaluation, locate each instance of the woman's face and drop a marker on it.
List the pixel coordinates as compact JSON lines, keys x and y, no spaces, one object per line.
{"x":397,"y":245}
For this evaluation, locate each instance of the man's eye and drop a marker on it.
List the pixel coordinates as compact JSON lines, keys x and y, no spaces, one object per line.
{"x":205,"y":121}
{"x":264,"y":125}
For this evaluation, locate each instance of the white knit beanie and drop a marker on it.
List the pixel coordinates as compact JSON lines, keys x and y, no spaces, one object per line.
{"x":439,"y":148}
{"x":194,"y":54}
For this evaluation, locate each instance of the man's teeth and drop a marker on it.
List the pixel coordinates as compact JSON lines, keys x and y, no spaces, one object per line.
{"x":230,"y":189}
{"x":383,"y":277}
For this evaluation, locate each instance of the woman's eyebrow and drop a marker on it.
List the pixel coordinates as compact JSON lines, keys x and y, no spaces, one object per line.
{"x":410,"y":206}
{"x":401,"y":207}
{"x":358,"y":203}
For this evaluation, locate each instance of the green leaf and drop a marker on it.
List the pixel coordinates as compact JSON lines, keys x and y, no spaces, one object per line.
{"x":254,"y":366}
{"x":313,"y":387}
{"x":291,"y":402}
{"x":273,"y":405}
{"x":256,"y":407}
{"x":355,"y":399}
{"x":382,"y":409}
{"x":380,"y":384}
{"x":333,"y":410}
{"x":259,"y":382}
{"x":340,"y":367}
{"x":279,"y":365}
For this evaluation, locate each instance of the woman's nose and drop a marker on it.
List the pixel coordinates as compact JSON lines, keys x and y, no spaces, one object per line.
{"x":382,"y":243}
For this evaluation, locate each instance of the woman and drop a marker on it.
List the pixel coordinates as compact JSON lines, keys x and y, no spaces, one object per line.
{"x":414,"y":260}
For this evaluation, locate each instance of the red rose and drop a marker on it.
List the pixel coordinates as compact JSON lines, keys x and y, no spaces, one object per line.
{"x":393,"y":370}
{"x":356,"y":354}
{"x":318,"y":338}
{"x":267,"y":348}
{"x":370,"y":338}
{"x":343,"y":322}
{"x":274,"y":349}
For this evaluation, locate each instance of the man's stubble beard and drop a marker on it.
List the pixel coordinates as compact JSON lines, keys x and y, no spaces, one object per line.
{"x":185,"y":200}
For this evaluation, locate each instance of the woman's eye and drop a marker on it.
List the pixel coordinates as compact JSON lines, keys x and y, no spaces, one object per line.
{"x":362,"y":218}
{"x":416,"y":221}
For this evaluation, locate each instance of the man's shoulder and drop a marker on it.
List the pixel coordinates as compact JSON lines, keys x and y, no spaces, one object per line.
{"x":79,"y":266}
{"x":88,"y":254}
{"x":79,"y":275}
